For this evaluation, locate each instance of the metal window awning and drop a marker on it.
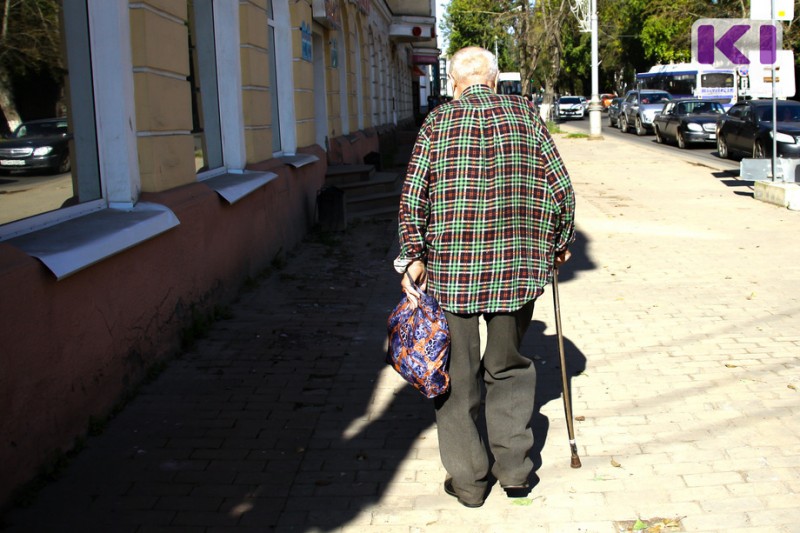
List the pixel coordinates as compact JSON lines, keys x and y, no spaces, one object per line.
{"x":75,"y":244}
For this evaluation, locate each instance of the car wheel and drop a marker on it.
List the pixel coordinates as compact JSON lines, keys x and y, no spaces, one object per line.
{"x":681,"y":140}
{"x":722,"y":147}
{"x":640,"y":129}
{"x":659,"y":137}
{"x":623,"y":123}
{"x":610,"y":121}
{"x":758,"y":150}
{"x":65,"y":165}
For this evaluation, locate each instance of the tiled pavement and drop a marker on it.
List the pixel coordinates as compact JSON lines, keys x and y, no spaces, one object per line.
{"x":680,"y":311}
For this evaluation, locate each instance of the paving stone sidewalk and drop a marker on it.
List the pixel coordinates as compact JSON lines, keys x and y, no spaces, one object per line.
{"x":680,"y":311}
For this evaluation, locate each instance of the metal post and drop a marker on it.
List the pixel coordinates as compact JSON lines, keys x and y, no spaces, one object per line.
{"x":595,"y":108}
{"x":774,"y":111}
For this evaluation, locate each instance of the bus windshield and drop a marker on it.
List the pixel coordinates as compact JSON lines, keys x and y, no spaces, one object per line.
{"x":509,"y":83}
{"x":690,"y":80}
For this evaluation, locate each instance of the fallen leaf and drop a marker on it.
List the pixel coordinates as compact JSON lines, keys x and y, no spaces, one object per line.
{"x":522,"y":501}
{"x":580,"y":418}
{"x":731,"y":366}
{"x":639,"y":525}
{"x":752,"y":296}
{"x":791,"y":386}
{"x":614,"y":463}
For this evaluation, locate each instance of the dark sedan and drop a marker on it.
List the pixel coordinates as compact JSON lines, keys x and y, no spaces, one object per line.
{"x":746,"y":129}
{"x":37,"y":145}
{"x":688,"y":121}
{"x":613,"y":112}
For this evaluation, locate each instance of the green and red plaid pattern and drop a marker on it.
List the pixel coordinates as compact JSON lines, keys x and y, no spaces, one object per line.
{"x":486,"y":203}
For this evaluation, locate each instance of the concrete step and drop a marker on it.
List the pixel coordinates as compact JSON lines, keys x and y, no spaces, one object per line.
{"x":371,"y":202}
{"x":380,"y":182}
{"x":378,"y":213}
{"x":337,"y":175}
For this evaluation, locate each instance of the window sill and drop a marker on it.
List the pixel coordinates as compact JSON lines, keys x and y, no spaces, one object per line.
{"x":75,"y":244}
{"x":299,"y":160}
{"x":233,"y":186}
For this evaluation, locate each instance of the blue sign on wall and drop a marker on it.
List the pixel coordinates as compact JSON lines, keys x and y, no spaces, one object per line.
{"x":305,"y":42}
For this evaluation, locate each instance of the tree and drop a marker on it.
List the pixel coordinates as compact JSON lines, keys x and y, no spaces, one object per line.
{"x":30,"y":45}
{"x":483,"y":23}
{"x":540,"y":29}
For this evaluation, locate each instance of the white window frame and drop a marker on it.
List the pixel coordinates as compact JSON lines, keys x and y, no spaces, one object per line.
{"x":282,"y":27}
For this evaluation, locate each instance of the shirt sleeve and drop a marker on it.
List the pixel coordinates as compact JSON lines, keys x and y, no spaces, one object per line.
{"x":414,"y":201}
{"x":561,"y":190}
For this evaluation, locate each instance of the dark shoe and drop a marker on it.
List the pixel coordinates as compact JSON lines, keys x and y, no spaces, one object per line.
{"x":517,"y":491}
{"x":448,"y":488}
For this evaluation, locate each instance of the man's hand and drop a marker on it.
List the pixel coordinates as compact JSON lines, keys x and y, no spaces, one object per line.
{"x":419,"y":274}
{"x":561,"y":258}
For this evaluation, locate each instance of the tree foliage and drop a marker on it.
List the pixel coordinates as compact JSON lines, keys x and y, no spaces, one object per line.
{"x":484,"y":23}
{"x":30,"y":48}
{"x":633,"y":35}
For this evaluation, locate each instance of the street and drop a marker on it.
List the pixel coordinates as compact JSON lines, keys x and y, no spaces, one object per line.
{"x":705,"y":154}
{"x":23,"y":195}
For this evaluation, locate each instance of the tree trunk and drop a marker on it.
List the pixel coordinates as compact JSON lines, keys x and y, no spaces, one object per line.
{"x":7,"y":106}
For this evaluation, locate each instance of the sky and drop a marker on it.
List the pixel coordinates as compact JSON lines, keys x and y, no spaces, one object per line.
{"x":440,"y":8}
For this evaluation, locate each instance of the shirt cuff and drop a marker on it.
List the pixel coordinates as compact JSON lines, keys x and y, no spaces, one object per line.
{"x":401,"y":264}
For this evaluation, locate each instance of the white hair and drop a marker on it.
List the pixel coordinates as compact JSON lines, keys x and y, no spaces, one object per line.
{"x":474,"y":62}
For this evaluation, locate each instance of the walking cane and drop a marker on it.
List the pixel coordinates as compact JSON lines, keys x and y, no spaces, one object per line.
{"x":575,"y":462}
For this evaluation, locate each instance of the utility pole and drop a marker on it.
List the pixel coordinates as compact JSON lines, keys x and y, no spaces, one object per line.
{"x":586,"y":13}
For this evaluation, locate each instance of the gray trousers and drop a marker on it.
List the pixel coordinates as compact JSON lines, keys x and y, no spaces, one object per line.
{"x":510,"y":380}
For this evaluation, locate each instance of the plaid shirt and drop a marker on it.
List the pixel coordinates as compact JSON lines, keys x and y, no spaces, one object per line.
{"x":486,"y":203}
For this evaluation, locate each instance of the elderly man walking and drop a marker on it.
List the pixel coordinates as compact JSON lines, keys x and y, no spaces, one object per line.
{"x":487,"y":211}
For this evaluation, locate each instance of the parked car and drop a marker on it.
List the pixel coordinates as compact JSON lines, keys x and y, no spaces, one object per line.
{"x":688,"y":121}
{"x":570,"y":107}
{"x":613,"y":111}
{"x":37,"y":145}
{"x":605,"y":100}
{"x":746,"y":129}
{"x":639,"y":109}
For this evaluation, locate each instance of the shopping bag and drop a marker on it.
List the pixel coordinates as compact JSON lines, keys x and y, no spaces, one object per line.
{"x":419,"y":344}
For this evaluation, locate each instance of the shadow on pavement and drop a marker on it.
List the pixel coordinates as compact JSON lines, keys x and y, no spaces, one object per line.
{"x":580,"y":261}
{"x":544,"y":350}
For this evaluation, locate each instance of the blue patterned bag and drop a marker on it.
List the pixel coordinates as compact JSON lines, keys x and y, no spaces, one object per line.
{"x":419,"y":344}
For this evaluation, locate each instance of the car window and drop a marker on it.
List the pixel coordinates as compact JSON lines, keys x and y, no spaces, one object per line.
{"x":655,"y":98}
{"x":789,"y":113}
{"x":40,"y":129}
{"x":736,"y":111}
{"x":765,"y":113}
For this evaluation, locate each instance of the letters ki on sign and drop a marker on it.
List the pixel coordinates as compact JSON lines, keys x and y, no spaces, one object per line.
{"x":729,"y":42}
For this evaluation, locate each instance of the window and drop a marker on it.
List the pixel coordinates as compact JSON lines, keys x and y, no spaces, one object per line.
{"x":273,"y":80}
{"x":203,"y":80}
{"x":281,"y":78}
{"x":48,"y":160}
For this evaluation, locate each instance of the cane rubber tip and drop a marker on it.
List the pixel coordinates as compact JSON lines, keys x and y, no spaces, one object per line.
{"x":575,"y":462}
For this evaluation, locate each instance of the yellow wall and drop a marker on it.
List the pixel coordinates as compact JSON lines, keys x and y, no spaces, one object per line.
{"x":303,"y":72}
{"x":163,"y":99}
{"x":163,"y":96}
{"x":254,"y":57}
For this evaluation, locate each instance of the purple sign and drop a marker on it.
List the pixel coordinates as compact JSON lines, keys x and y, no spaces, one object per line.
{"x":729,"y":42}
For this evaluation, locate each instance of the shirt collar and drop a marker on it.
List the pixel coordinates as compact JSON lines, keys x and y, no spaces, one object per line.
{"x":476,"y":89}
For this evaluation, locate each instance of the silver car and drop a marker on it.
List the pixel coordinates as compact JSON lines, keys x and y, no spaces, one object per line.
{"x":640,"y":108}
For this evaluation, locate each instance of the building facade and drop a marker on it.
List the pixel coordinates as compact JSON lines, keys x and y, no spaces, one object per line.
{"x":200,"y":133}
